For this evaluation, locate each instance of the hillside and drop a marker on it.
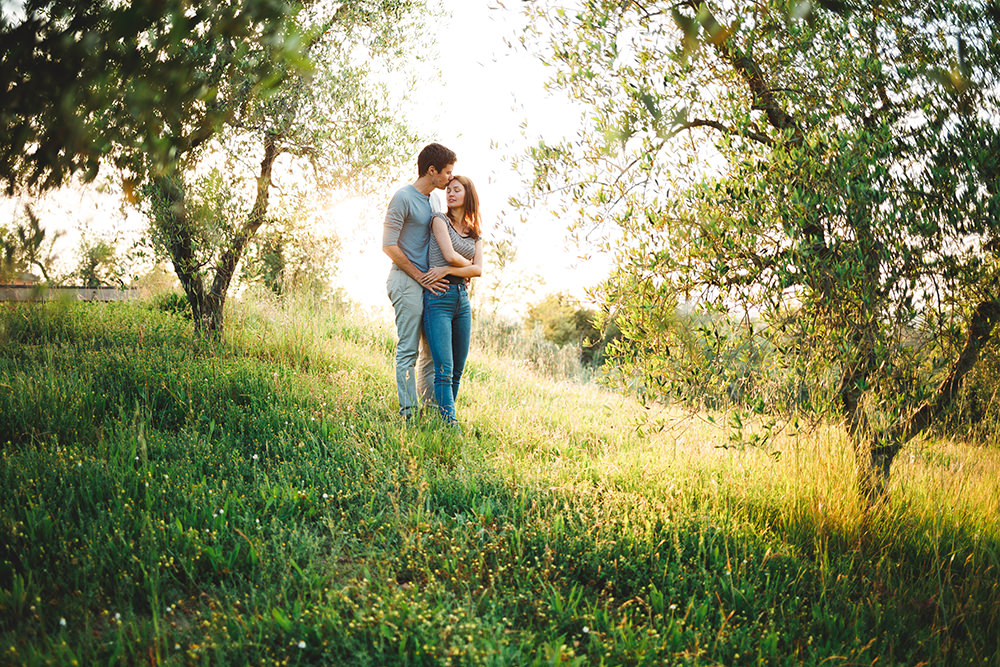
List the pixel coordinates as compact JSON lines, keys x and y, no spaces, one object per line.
{"x":258,"y":501}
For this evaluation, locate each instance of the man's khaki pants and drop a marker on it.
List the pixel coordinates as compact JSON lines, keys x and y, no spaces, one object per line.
{"x":414,"y":365}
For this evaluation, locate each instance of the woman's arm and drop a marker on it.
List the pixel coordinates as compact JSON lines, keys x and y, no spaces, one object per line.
{"x":440,"y":228}
{"x":475,"y":268}
{"x":471,"y":271}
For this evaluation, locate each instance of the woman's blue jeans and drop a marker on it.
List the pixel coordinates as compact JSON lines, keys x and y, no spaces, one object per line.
{"x":448,"y":327}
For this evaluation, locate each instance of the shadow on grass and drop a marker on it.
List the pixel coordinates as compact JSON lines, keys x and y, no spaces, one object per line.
{"x":245,"y":513}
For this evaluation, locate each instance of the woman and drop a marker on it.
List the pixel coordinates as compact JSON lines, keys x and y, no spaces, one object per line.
{"x":456,"y":252}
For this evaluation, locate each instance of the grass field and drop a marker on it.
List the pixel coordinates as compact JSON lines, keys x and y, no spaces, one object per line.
{"x":258,"y":501}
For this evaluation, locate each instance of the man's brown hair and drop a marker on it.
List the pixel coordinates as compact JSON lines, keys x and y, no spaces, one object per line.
{"x":434,"y":155}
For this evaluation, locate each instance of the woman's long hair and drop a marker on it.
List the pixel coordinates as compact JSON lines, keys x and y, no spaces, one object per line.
{"x":471,"y":206}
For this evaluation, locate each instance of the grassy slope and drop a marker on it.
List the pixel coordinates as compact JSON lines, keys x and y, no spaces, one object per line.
{"x":259,"y":502}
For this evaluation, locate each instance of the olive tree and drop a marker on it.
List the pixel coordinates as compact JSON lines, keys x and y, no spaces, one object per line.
{"x":329,"y":123}
{"x":826,"y":172}
{"x":197,"y":93}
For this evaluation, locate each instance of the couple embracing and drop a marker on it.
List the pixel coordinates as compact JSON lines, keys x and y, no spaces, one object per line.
{"x":433,"y":256}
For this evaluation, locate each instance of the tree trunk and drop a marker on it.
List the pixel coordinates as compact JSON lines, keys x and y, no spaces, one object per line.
{"x":874,"y":451}
{"x":170,"y":214}
{"x":211,"y":318}
{"x":207,"y":306}
{"x":215,"y":300}
{"x":873,"y":462}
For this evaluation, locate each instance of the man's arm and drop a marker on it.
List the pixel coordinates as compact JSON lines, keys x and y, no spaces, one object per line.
{"x":403,"y":262}
{"x":475,"y":268}
{"x":394,"y":218}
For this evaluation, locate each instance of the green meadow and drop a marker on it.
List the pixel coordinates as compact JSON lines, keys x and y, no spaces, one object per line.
{"x":258,"y":501}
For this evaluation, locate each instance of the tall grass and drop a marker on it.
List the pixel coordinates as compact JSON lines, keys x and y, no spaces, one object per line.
{"x":258,"y":501}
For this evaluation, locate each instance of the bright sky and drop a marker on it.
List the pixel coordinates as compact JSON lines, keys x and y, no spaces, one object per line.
{"x":487,"y":103}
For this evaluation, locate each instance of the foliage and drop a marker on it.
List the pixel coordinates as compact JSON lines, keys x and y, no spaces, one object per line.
{"x":714,"y":364}
{"x":99,"y":264}
{"x":257,"y":500}
{"x":137,"y":83}
{"x":826,"y":173}
{"x":171,"y":302}
{"x":563,"y":320}
{"x":25,"y":247}
{"x":290,"y":255}
{"x":330,"y":124}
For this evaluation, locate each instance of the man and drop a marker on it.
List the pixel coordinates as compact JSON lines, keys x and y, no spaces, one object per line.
{"x":405,"y":239}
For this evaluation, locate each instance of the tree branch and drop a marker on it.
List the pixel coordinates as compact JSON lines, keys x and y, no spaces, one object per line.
{"x":984,"y":321}
{"x":759,"y":137}
{"x":231,"y":257}
{"x":748,"y":69}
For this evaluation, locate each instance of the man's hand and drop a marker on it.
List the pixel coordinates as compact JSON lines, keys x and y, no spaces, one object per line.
{"x":435,"y":281}
{"x":436,"y":284}
{"x":435,"y":275}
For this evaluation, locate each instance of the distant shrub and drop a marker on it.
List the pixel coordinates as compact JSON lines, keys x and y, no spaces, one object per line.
{"x":564,"y":321}
{"x":288,"y":255}
{"x":99,"y":264}
{"x":505,"y":337}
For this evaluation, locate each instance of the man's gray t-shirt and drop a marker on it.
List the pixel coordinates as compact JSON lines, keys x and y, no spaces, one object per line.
{"x":407,"y":225}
